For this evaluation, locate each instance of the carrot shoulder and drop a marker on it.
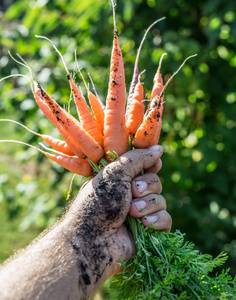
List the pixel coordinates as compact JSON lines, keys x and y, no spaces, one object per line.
{"x":115,"y":132}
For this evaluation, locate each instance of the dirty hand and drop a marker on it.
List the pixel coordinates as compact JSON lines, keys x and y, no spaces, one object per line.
{"x":103,"y":204}
{"x":74,"y":258}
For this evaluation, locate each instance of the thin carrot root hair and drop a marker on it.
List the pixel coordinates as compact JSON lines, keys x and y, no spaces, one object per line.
{"x":56,"y":49}
{"x":160,"y":62}
{"x":24,"y":64}
{"x":95,"y":91}
{"x":58,"y":146}
{"x":114,"y":17}
{"x":139,"y":76}
{"x":176,"y":72}
{"x":81,"y":74}
{"x":27,"y":66}
{"x":50,"y":149}
{"x":22,"y":143}
{"x":18,"y":123}
{"x":168,"y":81}
{"x":135,"y":72}
{"x":71,"y":163}
{"x":19,"y":75}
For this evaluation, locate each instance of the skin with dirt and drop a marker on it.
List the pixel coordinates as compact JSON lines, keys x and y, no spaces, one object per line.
{"x":75,"y":257}
{"x":108,"y":200}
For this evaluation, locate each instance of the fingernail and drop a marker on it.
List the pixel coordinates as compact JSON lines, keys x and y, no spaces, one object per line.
{"x":152,"y":219}
{"x":155,"y":148}
{"x":140,"y":205}
{"x":141,"y":186}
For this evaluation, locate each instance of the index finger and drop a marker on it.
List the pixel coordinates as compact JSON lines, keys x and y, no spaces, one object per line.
{"x":130,"y":164}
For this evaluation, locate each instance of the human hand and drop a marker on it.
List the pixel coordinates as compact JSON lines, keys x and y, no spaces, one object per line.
{"x":75,"y":257}
{"x":99,"y":211}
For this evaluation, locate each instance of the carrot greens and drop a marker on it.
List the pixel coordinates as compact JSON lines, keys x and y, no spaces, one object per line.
{"x":166,"y":266}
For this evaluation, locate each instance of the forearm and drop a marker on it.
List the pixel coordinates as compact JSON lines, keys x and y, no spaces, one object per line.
{"x":60,"y":265}
{"x":74,"y":258}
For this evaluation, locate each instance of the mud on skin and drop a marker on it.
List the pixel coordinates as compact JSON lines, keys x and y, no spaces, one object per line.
{"x":103,"y":209}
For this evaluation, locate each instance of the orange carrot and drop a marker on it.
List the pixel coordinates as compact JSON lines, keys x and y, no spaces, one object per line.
{"x":49,"y":114}
{"x":136,"y":109}
{"x":99,"y":99}
{"x":87,"y":120}
{"x":135,"y":72}
{"x":157,"y":83}
{"x":148,"y":128}
{"x":96,"y":106}
{"x":156,"y":90}
{"x":45,"y":109}
{"x":56,"y":144}
{"x":71,"y":163}
{"x":73,"y":128}
{"x":116,"y":135}
{"x":97,"y":109}
{"x":156,"y":137}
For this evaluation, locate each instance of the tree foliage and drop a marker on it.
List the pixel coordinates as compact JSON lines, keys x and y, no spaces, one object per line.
{"x":199,"y":162}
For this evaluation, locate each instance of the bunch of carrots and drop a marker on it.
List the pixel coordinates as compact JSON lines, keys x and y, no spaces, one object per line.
{"x":165,"y":266}
{"x":108,"y":131}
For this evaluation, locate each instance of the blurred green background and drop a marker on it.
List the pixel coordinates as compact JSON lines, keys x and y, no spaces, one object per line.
{"x":198,"y":136}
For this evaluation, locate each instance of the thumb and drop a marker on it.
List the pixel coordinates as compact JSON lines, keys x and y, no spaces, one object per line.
{"x":130,"y":164}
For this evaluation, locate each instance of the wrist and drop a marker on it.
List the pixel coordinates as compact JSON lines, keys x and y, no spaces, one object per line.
{"x":90,"y":253}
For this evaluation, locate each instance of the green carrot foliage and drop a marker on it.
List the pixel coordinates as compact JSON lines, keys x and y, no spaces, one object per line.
{"x":168,"y":267}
